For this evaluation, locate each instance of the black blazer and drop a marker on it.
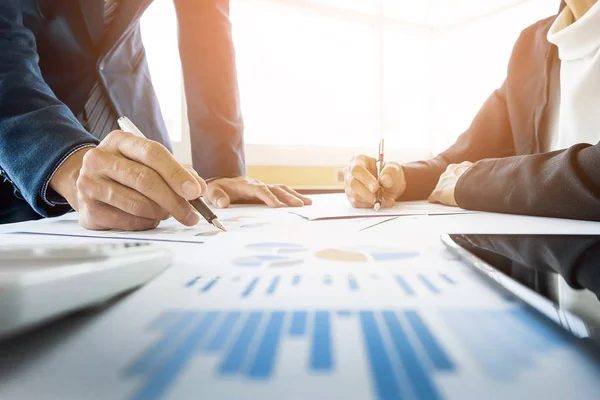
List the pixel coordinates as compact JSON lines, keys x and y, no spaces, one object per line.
{"x":510,"y":175}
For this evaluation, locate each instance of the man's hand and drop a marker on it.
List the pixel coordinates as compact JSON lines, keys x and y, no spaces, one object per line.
{"x":444,"y":191}
{"x":128,"y":183}
{"x":222,"y":192}
{"x":361,"y":182}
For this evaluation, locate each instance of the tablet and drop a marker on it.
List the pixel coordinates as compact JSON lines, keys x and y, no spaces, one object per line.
{"x":557,"y":275}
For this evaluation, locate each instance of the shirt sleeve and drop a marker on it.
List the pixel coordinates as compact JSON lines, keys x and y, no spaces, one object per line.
{"x":560,"y":184}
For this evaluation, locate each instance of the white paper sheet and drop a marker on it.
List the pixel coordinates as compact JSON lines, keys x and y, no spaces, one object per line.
{"x":337,"y":206}
{"x":240,"y":219}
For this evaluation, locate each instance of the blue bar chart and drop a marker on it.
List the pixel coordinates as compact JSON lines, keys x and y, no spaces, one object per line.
{"x":496,"y":339}
{"x":412,"y":285}
{"x":402,"y":353}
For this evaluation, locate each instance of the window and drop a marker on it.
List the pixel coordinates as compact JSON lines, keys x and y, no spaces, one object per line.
{"x":341,"y":73}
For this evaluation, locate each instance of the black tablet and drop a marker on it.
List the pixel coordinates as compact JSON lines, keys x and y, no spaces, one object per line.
{"x":557,"y":275}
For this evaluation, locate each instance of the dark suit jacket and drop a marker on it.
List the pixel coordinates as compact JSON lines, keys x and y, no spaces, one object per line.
{"x":510,"y":175}
{"x":51,"y":53}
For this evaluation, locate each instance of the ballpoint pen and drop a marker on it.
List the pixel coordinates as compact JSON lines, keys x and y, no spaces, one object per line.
{"x":379,"y":196}
{"x":126,"y":125}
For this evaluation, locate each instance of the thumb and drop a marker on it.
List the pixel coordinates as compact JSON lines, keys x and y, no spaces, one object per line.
{"x":217,"y":197}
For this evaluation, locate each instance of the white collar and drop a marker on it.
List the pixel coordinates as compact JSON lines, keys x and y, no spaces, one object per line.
{"x":576,"y":39}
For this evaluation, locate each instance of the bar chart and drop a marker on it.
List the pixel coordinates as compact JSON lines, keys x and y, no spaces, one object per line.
{"x":412,"y":285}
{"x":402,"y":353}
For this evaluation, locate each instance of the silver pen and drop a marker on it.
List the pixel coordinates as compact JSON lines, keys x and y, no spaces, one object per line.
{"x":380,"y":162}
{"x":126,"y":125}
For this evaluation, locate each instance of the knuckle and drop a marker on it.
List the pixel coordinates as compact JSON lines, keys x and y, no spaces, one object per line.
{"x":143,"y":180}
{"x":114,"y":136}
{"x":355,"y":169}
{"x":84,"y":184}
{"x":152,"y":149}
{"x":91,"y":157}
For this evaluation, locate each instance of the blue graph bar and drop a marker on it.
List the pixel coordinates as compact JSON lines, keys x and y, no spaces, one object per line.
{"x":493,"y":359}
{"x":273,"y":285}
{"x":448,"y":279}
{"x":298,"y":326}
{"x":352,"y":284}
{"x":327,"y":280}
{"x":494,"y":329}
{"x":434,"y":350}
{"x":192,"y":282}
{"x":264,"y":360}
{"x":296,"y":280}
{"x":428,"y":284}
{"x":402,"y":353}
{"x":405,"y":286}
{"x":382,"y":371}
{"x":250,"y":288}
{"x":217,"y":343}
{"x":321,"y":357}
{"x":162,"y":379}
{"x":209,"y":285}
{"x":232,"y":363}
{"x":159,"y":350}
{"x":418,"y":378}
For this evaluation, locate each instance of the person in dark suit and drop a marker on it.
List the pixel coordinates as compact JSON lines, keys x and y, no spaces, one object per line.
{"x":69,"y":69}
{"x":533,"y":146}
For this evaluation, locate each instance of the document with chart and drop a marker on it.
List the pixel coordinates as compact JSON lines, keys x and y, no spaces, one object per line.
{"x":321,"y":318}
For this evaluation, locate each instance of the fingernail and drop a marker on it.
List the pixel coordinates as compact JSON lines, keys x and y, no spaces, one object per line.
{"x":190,"y":190}
{"x":221,"y":203}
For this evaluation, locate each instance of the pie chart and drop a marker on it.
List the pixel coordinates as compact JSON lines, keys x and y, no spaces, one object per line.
{"x":365,"y":254}
{"x":268,"y":261}
{"x":276,"y":248}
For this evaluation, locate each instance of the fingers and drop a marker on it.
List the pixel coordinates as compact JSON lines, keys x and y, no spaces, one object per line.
{"x":158,"y":158}
{"x":357,"y":190}
{"x":364,"y":170}
{"x":390,"y":174}
{"x":218,"y":197}
{"x":286,"y":197}
{"x":120,"y":197}
{"x":138,"y":177}
{"x":98,"y":216}
{"x":305,"y":200}
{"x":262,"y":192}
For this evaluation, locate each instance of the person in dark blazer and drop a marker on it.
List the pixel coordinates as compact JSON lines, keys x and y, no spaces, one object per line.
{"x":533,"y":146}
{"x":69,"y":69}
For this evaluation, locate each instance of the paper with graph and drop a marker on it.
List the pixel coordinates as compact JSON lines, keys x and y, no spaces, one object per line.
{"x":327,"y":207}
{"x":312,"y":316}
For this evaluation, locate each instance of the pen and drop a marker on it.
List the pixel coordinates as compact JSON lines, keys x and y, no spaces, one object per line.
{"x":126,"y":125}
{"x":379,"y":196}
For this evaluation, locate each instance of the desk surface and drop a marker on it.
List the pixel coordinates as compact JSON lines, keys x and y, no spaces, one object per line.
{"x":347,"y":309}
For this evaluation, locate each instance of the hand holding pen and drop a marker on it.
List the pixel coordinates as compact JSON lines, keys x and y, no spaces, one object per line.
{"x":368,"y":180}
{"x":197,"y":203}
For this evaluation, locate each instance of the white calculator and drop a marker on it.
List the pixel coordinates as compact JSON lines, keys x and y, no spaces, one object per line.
{"x":42,"y":282}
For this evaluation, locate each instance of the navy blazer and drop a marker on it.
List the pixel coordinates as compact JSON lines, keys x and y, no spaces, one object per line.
{"x":52,"y":52}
